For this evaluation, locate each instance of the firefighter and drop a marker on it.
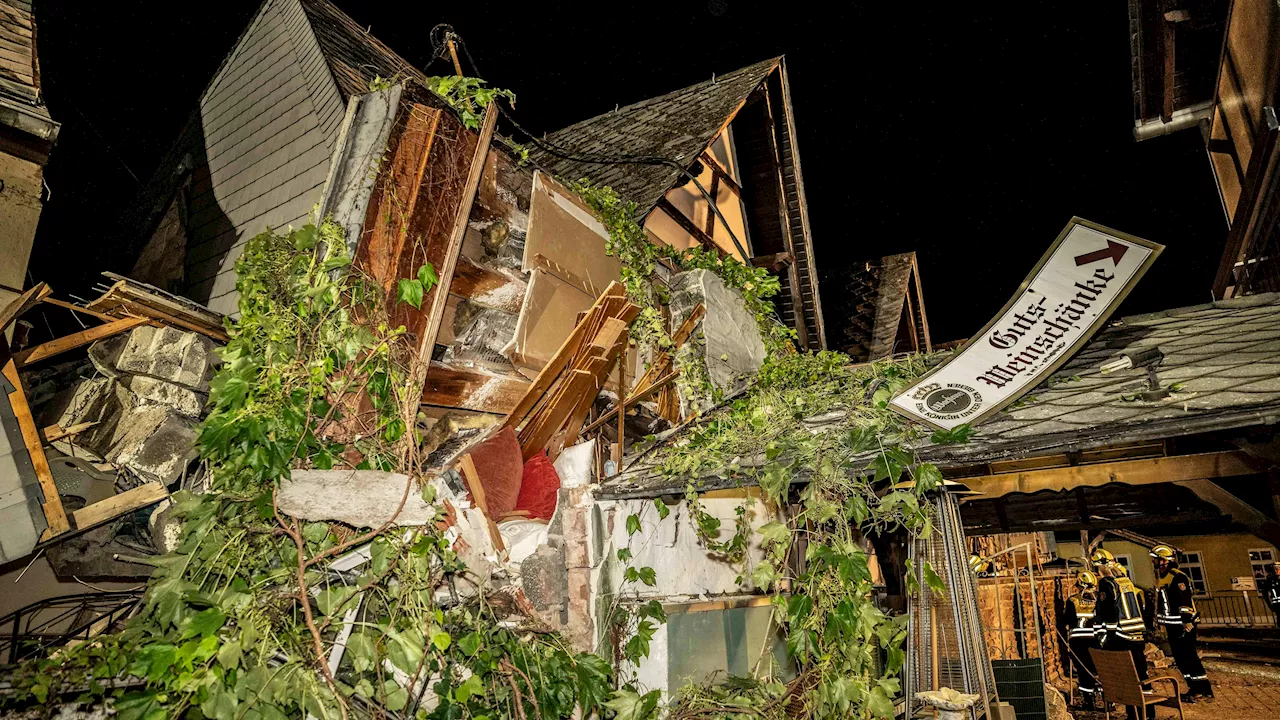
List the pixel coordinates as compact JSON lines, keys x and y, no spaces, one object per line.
{"x":1176,"y":611}
{"x":1269,"y":588}
{"x":1078,"y":618}
{"x":1117,"y":620}
{"x":980,"y":566}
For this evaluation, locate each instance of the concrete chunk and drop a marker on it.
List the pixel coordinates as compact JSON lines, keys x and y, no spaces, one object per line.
{"x":184,"y":400}
{"x":728,"y":336}
{"x":361,"y":498}
{"x":183,"y":358}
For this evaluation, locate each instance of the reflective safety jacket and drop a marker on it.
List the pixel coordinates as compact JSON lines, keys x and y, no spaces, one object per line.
{"x":1270,"y":587}
{"x":1175,"y":603}
{"x":1119,"y":611}
{"x":1078,"y":617}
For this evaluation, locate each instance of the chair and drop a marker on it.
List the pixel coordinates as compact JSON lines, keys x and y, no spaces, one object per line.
{"x":1120,"y":683}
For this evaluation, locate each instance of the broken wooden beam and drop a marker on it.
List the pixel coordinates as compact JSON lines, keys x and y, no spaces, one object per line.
{"x":57,"y":432}
{"x":117,"y":505}
{"x":54,"y":514}
{"x":455,"y":387}
{"x":75,"y":340}
{"x":1262,"y":527}
{"x":631,"y":400}
{"x":23,"y":303}
{"x":1131,"y":472}
{"x":467,"y":467}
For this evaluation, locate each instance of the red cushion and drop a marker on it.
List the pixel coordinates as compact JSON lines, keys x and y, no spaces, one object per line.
{"x":499,"y":464}
{"x":539,"y":488}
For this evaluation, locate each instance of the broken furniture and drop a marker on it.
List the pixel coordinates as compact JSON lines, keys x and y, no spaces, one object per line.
{"x":1119,"y":679}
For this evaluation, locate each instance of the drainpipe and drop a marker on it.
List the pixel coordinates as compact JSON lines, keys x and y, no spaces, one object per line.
{"x":1187,"y":117}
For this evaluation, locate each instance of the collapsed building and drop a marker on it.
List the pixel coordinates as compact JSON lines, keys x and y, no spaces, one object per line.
{"x":310,"y":117}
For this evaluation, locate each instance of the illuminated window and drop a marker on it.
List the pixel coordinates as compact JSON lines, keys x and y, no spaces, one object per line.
{"x":1259,"y":559}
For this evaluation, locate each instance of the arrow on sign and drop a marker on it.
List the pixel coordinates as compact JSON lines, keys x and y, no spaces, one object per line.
{"x":1114,"y":250}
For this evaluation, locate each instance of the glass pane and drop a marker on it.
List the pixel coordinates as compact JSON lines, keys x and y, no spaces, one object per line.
{"x":716,"y":644}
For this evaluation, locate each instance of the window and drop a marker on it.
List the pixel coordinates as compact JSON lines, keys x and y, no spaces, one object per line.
{"x":716,"y":644}
{"x":1260,"y":558}
{"x":1191,"y":564}
{"x":1127,"y":562}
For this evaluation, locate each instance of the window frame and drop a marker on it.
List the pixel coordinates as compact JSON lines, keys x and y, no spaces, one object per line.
{"x":1260,"y":568}
{"x":1198,"y":564}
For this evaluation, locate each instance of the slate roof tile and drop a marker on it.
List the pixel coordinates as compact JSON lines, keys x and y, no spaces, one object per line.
{"x":676,"y":126}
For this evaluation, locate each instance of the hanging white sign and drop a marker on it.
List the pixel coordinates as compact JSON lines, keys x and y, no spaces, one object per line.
{"x":1071,"y":292}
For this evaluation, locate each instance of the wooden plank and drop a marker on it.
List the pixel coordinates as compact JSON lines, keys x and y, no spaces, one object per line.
{"x":709,"y":160}
{"x":1131,"y":472}
{"x":457,"y":387}
{"x":117,"y":505}
{"x":23,"y":303}
{"x":576,"y":384}
{"x":56,"y":432}
{"x":54,"y":514}
{"x":631,"y":400}
{"x":75,"y":340}
{"x":444,"y":271}
{"x":80,"y":309}
{"x":622,"y":410}
{"x":472,"y":478}
{"x":605,"y":350}
{"x":552,"y":370}
{"x":1240,"y":511}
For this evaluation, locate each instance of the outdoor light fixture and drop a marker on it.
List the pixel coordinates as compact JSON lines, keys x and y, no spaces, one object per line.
{"x":1149,"y":358}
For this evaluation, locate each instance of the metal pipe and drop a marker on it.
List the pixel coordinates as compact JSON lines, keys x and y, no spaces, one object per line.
{"x":1187,"y":117}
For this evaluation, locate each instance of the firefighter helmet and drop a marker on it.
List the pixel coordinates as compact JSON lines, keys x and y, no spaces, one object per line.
{"x":1119,"y":570}
{"x":1164,"y":552}
{"x":1087,"y":580}
{"x":1102,"y":557}
{"x":979,"y":565}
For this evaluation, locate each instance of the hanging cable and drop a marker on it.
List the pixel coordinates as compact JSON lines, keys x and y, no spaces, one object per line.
{"x":567,"y":154}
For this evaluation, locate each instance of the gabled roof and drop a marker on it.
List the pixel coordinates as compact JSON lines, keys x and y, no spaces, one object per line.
{"x":354,"y":55}
{"x":677,"y":126}
{"x":1223,"y":358}
{"x":21,"y":103}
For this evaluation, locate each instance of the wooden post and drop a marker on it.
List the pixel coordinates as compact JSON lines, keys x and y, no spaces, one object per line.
{"x":622,"y":394}
{"x":54,"y":514}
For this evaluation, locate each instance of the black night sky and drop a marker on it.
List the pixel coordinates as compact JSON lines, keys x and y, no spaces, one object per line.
{"x":969,"y":134}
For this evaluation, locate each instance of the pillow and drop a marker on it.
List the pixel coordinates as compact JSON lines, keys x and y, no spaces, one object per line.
{"x":499,"y":465}
{"x":539,"y":488}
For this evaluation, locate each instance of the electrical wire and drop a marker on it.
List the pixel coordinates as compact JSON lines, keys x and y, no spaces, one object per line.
{"x":440,"y":47}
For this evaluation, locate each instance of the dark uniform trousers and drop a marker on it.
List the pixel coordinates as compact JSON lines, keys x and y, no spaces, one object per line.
{"x":1183,"y":646}
{"x":1083,"y":661}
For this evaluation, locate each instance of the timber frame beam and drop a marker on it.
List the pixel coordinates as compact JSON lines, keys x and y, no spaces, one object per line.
{"x":1177,"y":468}
{"x":1240,"y":511}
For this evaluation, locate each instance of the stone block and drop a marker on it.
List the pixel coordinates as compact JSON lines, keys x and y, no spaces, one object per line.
{"x":545,"y":581}
{"x":155,"y":443}
{"x":727,"y":338}
{"x":160,"y":392}
{"x":183,"y":358}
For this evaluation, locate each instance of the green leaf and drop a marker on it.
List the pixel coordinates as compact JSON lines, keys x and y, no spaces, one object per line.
{"x":624,"y":554}
{"x":221,"y":703}
{"x":229,"y":655}
{"x":397,"y":697}
{"x":932,"y":579}
{"x":633,"y":524}
{"x":315,"y":532}
{"x":764,"y":575}
{"x":775,"y":480}
{"x":663,"y":510}
{"x":653,"y":609}
{"x":333,"y":597}
{"x":879,"y":704}
{"x":798,"y":608}
{"x":630,"y":705}
{"x":469,"y":643}
{"x":441,"y":640}
{"x":361,"y":651}
{"x":957,"y":435}
{"x":774,"y":532}
{"x":648,"y":576}
{"x":472,"y":686}
{"x":928,"y":477}
{"x":204,"y":623}
{"x":410,"y":291}
{"x":427,"y":276}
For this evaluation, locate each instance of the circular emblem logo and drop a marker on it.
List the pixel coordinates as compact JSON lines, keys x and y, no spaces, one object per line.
{"x":948,"y":400}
